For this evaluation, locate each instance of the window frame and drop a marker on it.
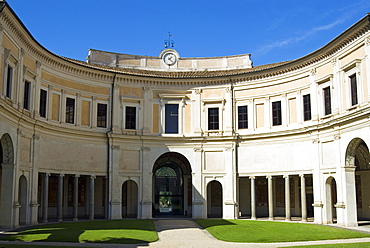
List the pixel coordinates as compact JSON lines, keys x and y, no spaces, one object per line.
{"x":70,"y":111}
{"x":27,"y":90}
{"x":327,"y":99}
{"x":135,"y":117}
{"x":307,"y":107}
{"x":43,"y":103}
{"x":245,"y":120}
{"x":9,"y":81}
{"x":99,"y":116}
{"x":168,"y":119}
{"x":276,"y":111}
{"x":353,"y":85}
{"x":177,"y":99}
{"x":216,"y":128}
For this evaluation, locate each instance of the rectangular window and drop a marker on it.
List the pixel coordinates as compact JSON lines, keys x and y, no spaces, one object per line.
{"x":43,"y":99}
{"x":172,"y":118}
{"x":213,"y":119}
{"x":130,"y":117}
{"x":353,"y":80}
{"x":70,"y":110}
{"x":327,"y":101}
{"x":242,"y":117}
{"x":27,"y":95}
{"x":9,"y":82}
{"x":276,"y":113}
{"x":307,"y":107}
{"x":101,"y":118}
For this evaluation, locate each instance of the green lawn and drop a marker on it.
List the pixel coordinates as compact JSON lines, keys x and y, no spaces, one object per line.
{"x":104,"y":231}
{"x":271,"y":231}
{"x":350,"y":245}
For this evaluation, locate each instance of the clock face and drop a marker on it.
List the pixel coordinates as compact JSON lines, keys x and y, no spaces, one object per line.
{"x":169,"y":58}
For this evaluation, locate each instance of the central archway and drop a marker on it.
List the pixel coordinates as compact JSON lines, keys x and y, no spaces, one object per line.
{"x":172,"y":185}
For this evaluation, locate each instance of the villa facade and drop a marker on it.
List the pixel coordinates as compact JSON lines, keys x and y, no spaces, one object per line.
{"x":129,"y":136}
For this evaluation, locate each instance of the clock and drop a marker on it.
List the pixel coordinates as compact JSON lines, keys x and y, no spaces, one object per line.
{"x":169,"y":59}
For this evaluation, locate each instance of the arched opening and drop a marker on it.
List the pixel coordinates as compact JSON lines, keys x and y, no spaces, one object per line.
{"x":7,"y":152}
{"x":358,"y":155}
{"x":172,"y":185}
{"x":129,"y":199}
{"x":22,"y":199}
{"x":214,"y":199}
{"x":331,"y":200}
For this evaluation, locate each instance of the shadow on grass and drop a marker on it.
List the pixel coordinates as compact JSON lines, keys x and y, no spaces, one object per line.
{"x":205,"y":223}
{"x":112,"y":231}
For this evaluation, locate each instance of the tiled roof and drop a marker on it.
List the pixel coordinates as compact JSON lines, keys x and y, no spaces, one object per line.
{"x":178,"y":74}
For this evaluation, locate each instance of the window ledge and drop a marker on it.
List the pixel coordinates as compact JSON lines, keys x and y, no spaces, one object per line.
{"x":353,"y":107}
{"x":213,"y":133}
{"x":326,"y":117}
{"x":131,"y":132}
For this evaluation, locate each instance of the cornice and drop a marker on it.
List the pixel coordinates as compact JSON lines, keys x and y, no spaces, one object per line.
{"x":180,"y":78}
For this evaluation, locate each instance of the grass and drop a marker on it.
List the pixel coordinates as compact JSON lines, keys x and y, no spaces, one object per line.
{"x":350,"y":245}
{"x":270,"y":231}
{"x":105,"y":231}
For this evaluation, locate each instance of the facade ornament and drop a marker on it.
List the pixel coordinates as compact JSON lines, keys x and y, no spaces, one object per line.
{"x":115,"y":147}
{"x":367,"y":41}
{"x":228,"y":90}
{"x":198,"y":91}
{"x":334,"y":61}
{"x":146,"y":89}
{"x":38,"y":64}
{"x":313,"y":72}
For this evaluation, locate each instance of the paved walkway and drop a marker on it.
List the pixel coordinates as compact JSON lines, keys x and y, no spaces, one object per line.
{"x":177,"y":233}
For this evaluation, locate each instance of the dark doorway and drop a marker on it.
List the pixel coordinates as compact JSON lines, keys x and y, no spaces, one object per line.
{"x":214,"y":199}
{"x":171,"y":179}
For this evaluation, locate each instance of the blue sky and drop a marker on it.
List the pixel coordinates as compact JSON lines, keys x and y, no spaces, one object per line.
{"x":272,"y":31}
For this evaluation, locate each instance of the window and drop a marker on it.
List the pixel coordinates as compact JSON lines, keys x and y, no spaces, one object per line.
{"x":9,"y":82}
{"x":130,"y":117}
{"x":101,"y":119}
{"x":27,"y":95}
{"x":307,"y":107}
{"x":327,"y":101}
{"x":171,"y":118}
{"x":213,"y":119}
{"x":242,"y":117}
{"x":353,"y":82}
{"x":70,"y":110}
{"x":43,"y":98}
{"x":276,"y":113}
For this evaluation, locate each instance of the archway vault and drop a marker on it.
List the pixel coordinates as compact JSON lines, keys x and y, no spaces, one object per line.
{"x":7,"y":149}
{"x":172,"y":186}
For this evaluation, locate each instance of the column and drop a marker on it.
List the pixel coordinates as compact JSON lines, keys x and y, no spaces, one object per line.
{"x":45,"y":197}
{"x":270,"y":198}
{"x":253,"y":197}
{"x":60,"y":198}
{"x":287,"y":198}
{"x":75,"y":198}
{"x":92,"y":197}
{"x":303,"y":198}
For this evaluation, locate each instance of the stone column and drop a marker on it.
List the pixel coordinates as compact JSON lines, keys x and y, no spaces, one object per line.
{"x":92,"y":198}
{"x":253,"y":197}
{"x":75,"y":197}
{"x":287,"y":198}
{"x":270,"y":198}
{"x":303,"y":198}
{"x":45,"y":197}
{"x":60,"y":198}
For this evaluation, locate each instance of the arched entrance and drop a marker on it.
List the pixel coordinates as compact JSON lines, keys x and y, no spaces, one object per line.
{"x":331,"y":200}
{"x":358,"y":155}
{"x":172,"y":185}
{"x":7,"y":181}
{"x":22,"y":199}
{"x":129,"y":199}
{"x":214,"y":199}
